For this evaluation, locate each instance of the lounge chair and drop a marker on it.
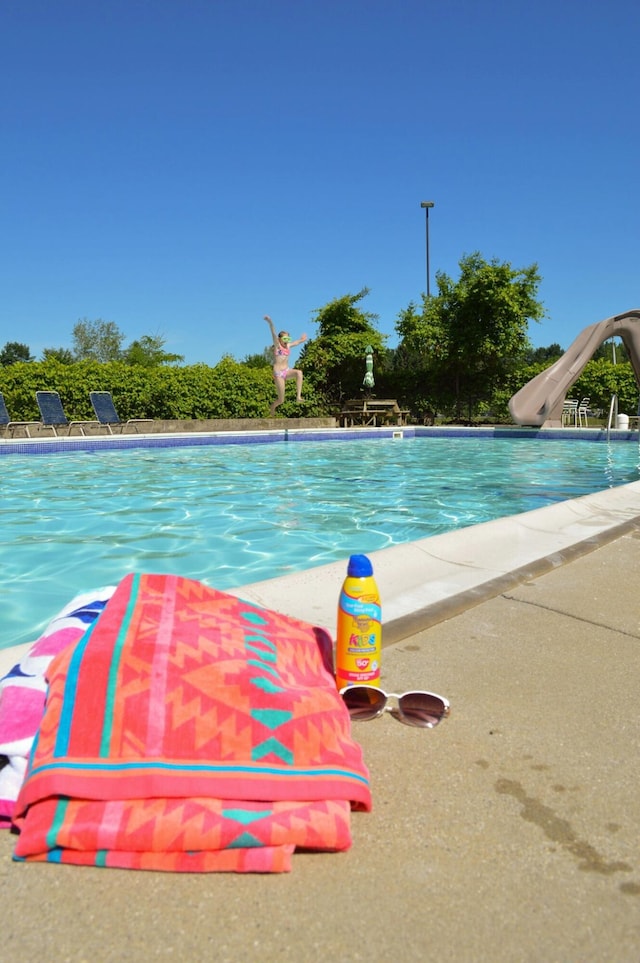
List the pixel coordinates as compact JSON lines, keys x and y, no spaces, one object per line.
{"x":8,"y":425}
{"x":53,"y":415}
{"x":108,"y":416}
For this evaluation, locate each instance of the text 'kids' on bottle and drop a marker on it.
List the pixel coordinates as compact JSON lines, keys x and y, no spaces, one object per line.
{"x":359,"y":635}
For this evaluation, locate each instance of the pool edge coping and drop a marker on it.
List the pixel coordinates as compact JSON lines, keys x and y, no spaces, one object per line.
{"x":278,"y":435}
{"x":430,"y":580}
{"x":421,"y":619}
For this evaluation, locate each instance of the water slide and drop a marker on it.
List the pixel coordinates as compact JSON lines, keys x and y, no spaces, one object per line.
{"x":540,"y":401}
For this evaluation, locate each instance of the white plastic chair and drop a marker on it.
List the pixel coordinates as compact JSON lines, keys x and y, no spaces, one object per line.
{"x":583,"y":413}
{"x":570,"y":412}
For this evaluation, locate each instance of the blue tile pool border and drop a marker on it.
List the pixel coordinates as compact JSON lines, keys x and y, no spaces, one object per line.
{"x":97,"y":443}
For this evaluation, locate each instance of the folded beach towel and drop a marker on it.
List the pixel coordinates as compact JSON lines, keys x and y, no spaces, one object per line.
{"x":191,"y":731}
{"x":22,"y":691}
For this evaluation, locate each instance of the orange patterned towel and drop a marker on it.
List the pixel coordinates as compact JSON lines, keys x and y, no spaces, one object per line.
{"x":189,"y":730}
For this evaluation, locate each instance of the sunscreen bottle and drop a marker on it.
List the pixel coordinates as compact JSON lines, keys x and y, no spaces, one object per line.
{"x":359,"y":635}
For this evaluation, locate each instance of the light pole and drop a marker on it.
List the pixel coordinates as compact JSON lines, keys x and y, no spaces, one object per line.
{"x":427,"y":205}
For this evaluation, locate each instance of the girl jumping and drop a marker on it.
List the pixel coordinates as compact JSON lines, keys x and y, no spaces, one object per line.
{"x":282,"y":345}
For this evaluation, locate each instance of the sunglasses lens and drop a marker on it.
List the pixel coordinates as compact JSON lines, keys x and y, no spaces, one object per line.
{"x":421,"y":709}
{"x":363,"y":702}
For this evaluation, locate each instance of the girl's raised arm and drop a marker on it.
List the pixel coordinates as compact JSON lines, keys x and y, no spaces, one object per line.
{"x":273,"y":330}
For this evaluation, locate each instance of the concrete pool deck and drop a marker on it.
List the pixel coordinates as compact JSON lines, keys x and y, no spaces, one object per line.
{"x":509,"y":833}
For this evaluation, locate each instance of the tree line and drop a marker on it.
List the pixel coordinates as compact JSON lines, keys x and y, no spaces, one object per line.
{"x":462,"y":353}
{"x":100,"y":341}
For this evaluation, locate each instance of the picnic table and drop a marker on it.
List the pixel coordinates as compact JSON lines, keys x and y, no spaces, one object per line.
{"x":372,"y":412}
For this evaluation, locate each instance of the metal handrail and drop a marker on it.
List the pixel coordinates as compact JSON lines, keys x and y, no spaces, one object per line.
{"x":612,"y":407}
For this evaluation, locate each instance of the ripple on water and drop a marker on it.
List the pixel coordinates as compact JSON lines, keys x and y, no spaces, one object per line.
{"x":229,"y":515}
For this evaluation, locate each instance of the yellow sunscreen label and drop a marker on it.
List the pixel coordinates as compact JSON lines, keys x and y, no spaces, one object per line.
{"x":358,"y":640}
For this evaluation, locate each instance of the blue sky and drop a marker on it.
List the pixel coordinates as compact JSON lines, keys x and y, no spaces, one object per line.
{"x":182,"y":167}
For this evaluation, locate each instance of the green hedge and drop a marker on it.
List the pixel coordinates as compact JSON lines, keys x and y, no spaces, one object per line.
{"x":229,"y":390}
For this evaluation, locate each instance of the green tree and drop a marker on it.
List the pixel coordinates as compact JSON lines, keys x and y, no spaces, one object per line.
{"x":600,"y":380}
{"x":13,"y":352}
{"x":149,"y":352}
{"x":264,"y":360}
{"x":467,"y":340}
{"x":612,"y":350}
{"x":334,"y":361}
{"x":63,"y":355}
{"x":547,"y":355}
{"x":97,"y":340}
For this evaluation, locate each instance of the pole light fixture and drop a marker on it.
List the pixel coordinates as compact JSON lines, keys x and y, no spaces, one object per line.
{"x":427,"y":205}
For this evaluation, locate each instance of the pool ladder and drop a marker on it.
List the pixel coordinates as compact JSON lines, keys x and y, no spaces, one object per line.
{"x":613,"y":412}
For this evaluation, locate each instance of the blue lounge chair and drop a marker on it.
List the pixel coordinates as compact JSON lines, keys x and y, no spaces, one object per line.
{"x":53,"y":415}
{"x":8,"y":425}
{"x":108,"y":416}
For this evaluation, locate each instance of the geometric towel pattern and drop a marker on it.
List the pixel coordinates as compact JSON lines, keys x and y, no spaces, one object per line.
{"x":189,"y":730}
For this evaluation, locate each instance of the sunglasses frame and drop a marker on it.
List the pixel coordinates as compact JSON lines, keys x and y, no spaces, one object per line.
{"x":396,"y":710}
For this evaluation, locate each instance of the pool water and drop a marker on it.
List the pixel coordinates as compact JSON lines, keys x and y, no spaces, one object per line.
{"x":230,"y":515}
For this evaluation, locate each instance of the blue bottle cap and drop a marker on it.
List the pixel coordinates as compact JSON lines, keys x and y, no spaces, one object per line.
{"x":359,"y":566}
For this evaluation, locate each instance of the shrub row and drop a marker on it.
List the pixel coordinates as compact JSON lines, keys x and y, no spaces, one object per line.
{"x":228,"y":390}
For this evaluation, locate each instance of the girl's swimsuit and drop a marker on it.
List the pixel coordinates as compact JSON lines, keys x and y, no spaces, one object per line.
{"x":281,"y":352}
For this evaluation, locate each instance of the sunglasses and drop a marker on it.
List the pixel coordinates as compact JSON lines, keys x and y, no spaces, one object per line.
{"x":423,"y":709}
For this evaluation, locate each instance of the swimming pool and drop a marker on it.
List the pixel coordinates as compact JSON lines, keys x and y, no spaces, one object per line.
{"x":230,"y":515}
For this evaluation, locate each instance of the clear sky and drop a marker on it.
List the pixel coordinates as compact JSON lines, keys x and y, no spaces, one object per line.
{"x":182,"y":167}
